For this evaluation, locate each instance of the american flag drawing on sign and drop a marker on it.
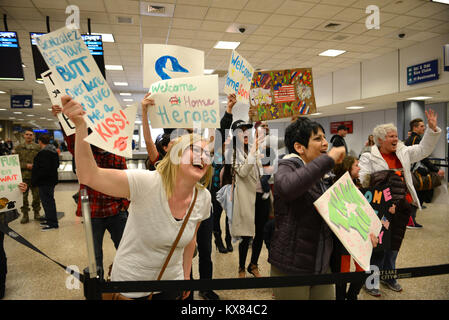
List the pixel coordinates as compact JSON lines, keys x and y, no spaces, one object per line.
{"x":285,"y":93}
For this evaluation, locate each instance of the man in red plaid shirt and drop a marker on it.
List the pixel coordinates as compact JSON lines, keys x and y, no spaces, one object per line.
{"x":107,"y":213}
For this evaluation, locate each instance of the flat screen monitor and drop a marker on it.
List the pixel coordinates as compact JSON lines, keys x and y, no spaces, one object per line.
{"x":10,"y":59}
{"x":93,"y":42}
{"x":40,"y":65}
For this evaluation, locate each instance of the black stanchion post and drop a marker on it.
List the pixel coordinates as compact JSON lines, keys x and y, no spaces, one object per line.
{"x":92,"y":286}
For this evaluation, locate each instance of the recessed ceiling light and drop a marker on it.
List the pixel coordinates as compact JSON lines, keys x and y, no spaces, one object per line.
{"x":37,"y":104}
{"x":2,"y":92}
{"x":106,"y":37}
{"x":114,"y":67}
{"x":125,"y":94}
{"x":17,"y":112}
{"x":419,"y":98}
{"x":354,"y":107}
{"x":208,"y":71}
{"x":2,"y":109}
{"x":30,"y":115}
{"x":121,"y":84}
{"x":128,"y":99}
{"x":226,"y":45}
{"x":331,"y":53}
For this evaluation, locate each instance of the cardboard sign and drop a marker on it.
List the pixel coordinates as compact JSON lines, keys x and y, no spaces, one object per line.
{"x":239,"y":77}
{"x":163,"y":62}
{"x":10,"y":176}
{"x":381,"y":201}
{"x":181,"y":102}
{"x":351,"y":218}
{"x":281,"y":94}
{"x":75,"y":70}
{"x":55,"y":92}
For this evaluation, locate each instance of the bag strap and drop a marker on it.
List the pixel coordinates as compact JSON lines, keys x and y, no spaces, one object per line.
{"x":175,"y":243}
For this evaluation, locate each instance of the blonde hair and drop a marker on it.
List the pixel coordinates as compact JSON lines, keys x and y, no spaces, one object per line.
{"x":169,"y":165}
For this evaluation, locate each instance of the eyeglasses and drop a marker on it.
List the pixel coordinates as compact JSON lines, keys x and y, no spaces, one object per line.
{"x":198,"y":151}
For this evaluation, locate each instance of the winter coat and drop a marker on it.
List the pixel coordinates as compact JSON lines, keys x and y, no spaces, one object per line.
{"x":302,"y":241}
{"x":373,"y":161}
{"x":45,"y":167}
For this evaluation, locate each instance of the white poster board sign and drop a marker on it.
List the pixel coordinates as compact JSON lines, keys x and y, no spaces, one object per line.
{"x":76,"y":71}
{"x":55,"y":92}
{"x":180,"y":102}
{"x":239,"y":77}
{"x":163,"y":62}
{"x":351,"y":218}
{"x":10,"y":176}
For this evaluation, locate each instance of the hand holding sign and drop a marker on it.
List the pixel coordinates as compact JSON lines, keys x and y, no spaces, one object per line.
{"x":73,"y":110}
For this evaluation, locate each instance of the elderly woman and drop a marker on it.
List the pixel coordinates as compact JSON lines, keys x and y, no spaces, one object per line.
{"x":160,"y":201}
{"x":390,"y":153}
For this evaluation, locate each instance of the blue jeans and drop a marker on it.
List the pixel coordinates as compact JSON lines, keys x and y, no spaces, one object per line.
{"x":385,"y":260}
{"x":204,"y":241}
{"x":115,"y":225}
{"x":47,"y":195}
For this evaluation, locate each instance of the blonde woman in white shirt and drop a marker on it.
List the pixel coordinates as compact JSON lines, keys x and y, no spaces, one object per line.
{"x":159,"y":202}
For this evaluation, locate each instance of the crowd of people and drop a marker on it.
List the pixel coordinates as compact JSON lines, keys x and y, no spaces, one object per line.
{"x":265,"y":197}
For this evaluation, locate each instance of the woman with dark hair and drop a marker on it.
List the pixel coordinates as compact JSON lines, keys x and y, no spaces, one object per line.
{"x":302,"y":242}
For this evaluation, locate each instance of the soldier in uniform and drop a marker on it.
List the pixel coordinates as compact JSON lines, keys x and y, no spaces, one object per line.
{"x":27,"y":151}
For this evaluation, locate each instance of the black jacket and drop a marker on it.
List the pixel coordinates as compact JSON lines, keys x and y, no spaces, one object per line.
{"x":416,"y":139}
{"x":45,"y":167}
{"x":339,"y":141}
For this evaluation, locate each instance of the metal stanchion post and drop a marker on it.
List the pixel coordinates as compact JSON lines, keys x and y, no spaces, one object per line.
{"x":92,"y":281}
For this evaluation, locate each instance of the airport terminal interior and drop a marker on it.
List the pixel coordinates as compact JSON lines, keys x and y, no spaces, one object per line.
{"x":362,"y":63}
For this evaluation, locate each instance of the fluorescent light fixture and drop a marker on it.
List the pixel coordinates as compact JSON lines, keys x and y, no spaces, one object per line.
{"x":42,"y":118}
{"x":441,"y":1}
{"x":129,"y":105}
{"x":30,"y":115}
{"x":106,"y":37}
{"x":23,"y":65}
{"x":419,"y":98}
{"x":208,"y":71}
{"x":37,"y":104}
{"x":2,"y":92}
{"x":17,"y":112}
{"x":331,"y":53}
{"x":125,"y":94}
{"x":49,"y":109}
{"x":2,"y":109}
{"x":128,"y":100}
{"x":40,"y":81}
{"x":354,"y":107}
{"x":138,"y":122}
{"x":113,"y":67}
{"x":125,"y":84}
{"x":226,"y":45}
{"x":316,"y":114}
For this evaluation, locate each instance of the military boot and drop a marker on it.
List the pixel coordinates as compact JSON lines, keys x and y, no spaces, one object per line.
{"x":38,"y":217}
{"x":25,"y":218}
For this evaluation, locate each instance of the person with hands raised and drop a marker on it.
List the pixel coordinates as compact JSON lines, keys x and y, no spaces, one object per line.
{"x":162,"y":201}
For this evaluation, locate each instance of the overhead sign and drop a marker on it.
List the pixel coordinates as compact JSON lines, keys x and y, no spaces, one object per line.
{"x":163,"y":62}
{"x":351,"y":218}
{"x":423,"y":72}
{"x":78,"y":75}
{"x":181,"y":102}
{"x":22,"y":101}
{"x":10,"y":177}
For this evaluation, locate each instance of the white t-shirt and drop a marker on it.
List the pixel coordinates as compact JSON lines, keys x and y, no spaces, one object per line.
{"x":151,"y":230}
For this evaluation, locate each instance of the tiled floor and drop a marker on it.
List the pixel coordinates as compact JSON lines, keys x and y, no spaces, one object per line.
{"x":31,"y":276}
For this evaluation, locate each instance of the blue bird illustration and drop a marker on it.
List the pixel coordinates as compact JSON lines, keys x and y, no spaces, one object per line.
{"x":162,"y":66}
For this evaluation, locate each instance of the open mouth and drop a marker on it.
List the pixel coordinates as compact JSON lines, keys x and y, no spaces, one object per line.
{"x":198,"y":166}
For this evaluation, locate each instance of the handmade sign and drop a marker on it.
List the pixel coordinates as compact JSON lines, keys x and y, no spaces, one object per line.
{"x":10,"y":177}
{"x":181,"y":102}
{"x":351,"y":218}
{"x":78,"y":75}
{"x":163,"y":62}
{"x":281,"y":94}
{"x":55,"y":92}
{"x":239,"y":77}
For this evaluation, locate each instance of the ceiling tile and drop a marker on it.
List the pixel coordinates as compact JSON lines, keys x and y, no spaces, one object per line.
{"x":159,"y":22}
{"x":426,"y":10}
{"x":263,"y":5}
{"x":229,"y":4}
{"x":402,"y":6}
{"x":205,"y":35}
{"x":49,"y":4}
{"x":192,"y":12}
{"x":180,"y":23}
{"x":304,"y":43}
{"x":88,"y":5}
{"x":182,"y":33}
{"x":180,"y":42}
{"x":219,"y":14}
{"x":293,"y":33}
{"x":214,"y":25}
{"x":17,"y":3}
{"x":399,"y":21}
{"x":279,"y":20}
{"x":258,"y":39}
{"x":268,"y":30}
{"x":350,"y":15}
{"x":24,"y":14}
{"x":345,"y":3}
{"x":297,"y":8}
{"x":307,"y":23}
{"x":157,"y":32}
{"x":317,"y":35}
{"x":424,"y":25}
{"x":323,"y":11}
{"x":251,"y":17}
{"x":122,"y":6}
{"x":423,"y":36}
{"x":355,"y":28}
{"x":281,"y":41}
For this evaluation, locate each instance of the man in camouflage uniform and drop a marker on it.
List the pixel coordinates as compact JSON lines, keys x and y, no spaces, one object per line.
{"x":27,"y":150}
